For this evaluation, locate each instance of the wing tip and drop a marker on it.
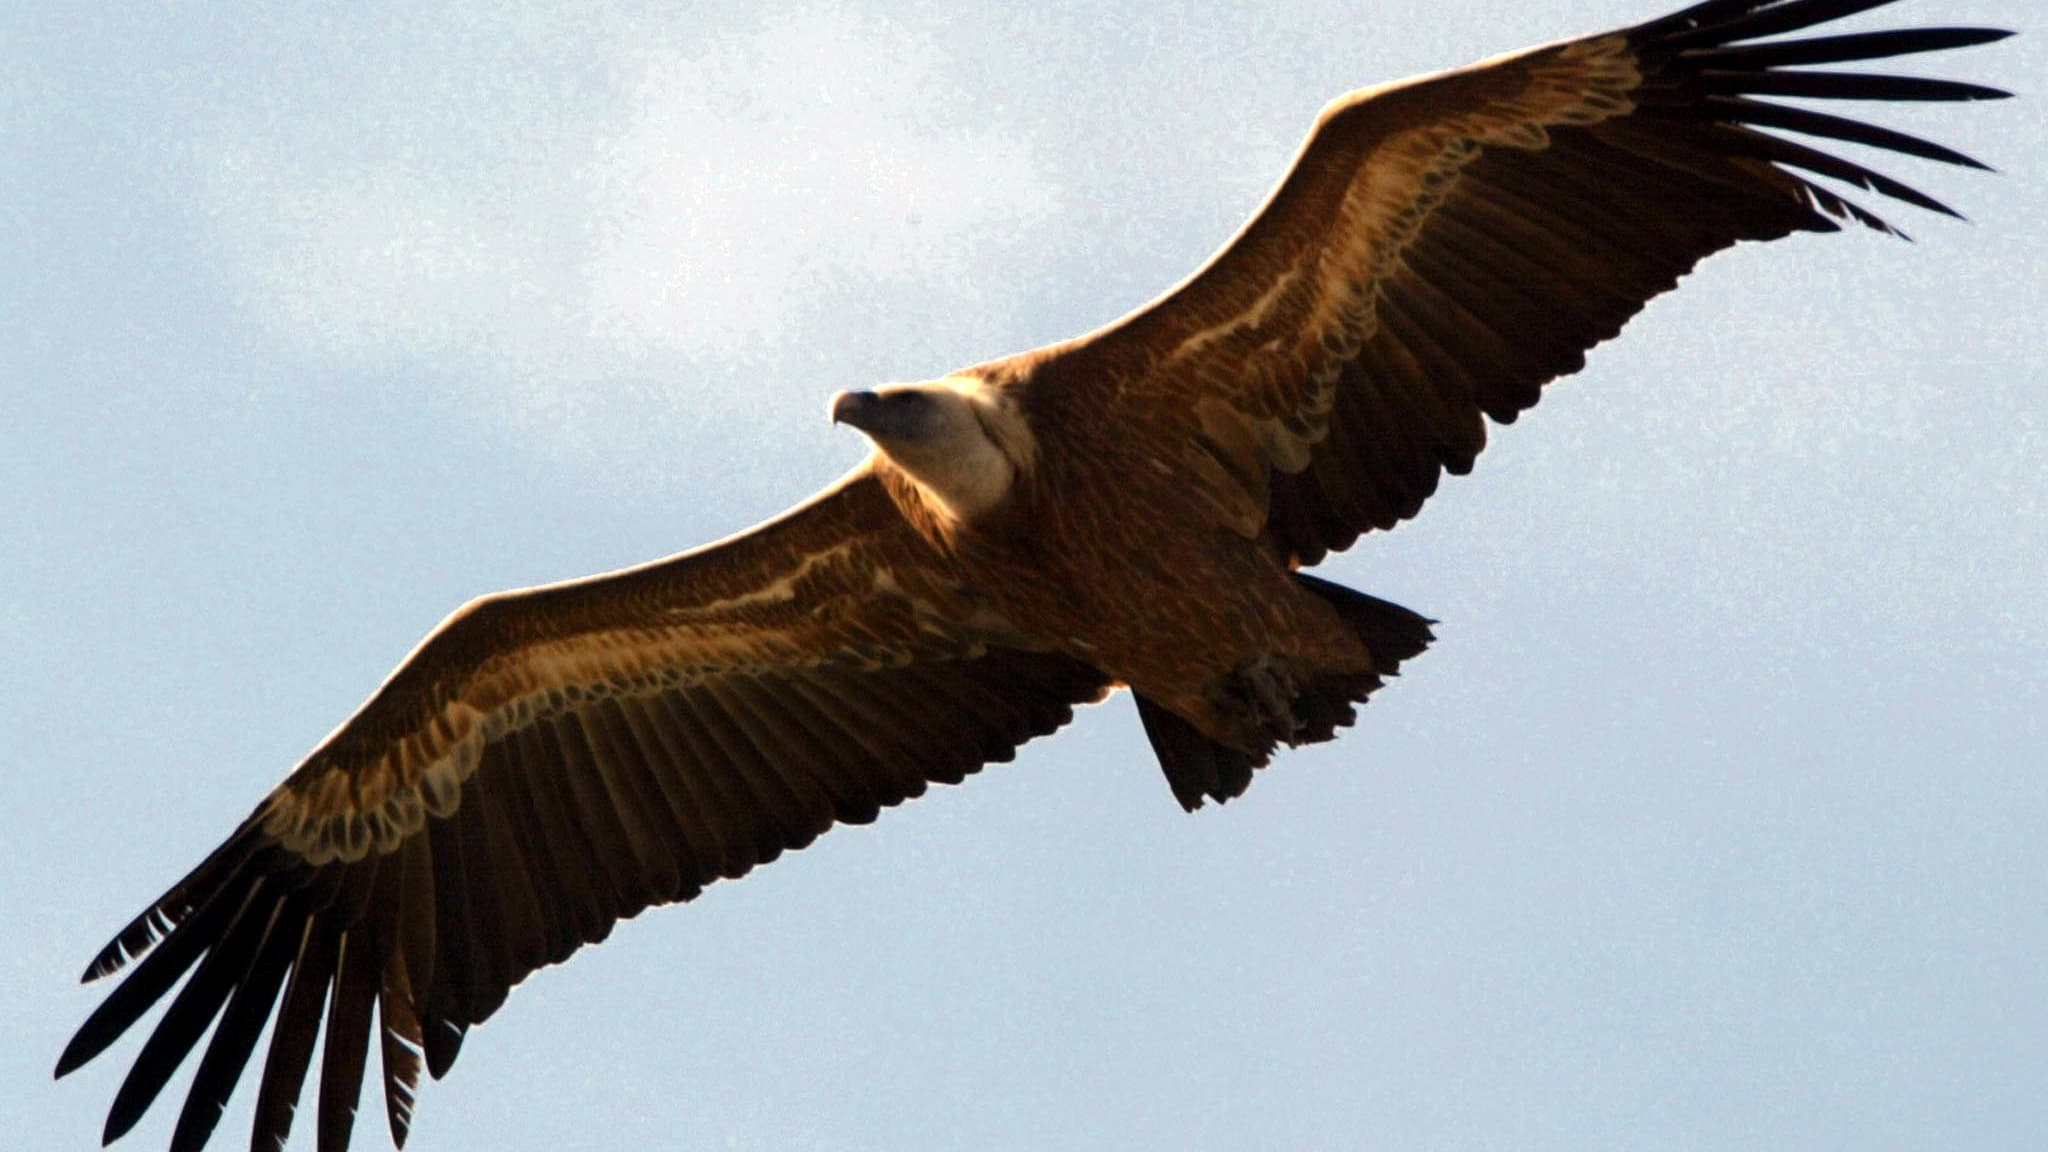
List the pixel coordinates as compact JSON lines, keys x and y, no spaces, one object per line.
{"x":69,"y":1060}
{"x":132,"y":942}
{"x":122,"y":1118}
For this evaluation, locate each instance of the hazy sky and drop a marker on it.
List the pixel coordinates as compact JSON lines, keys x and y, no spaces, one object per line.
{"x":1714,"y":820}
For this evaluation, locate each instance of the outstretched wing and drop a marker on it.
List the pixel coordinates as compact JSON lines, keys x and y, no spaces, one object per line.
{"x":548,"y":763}
{"x":1443,"y":247}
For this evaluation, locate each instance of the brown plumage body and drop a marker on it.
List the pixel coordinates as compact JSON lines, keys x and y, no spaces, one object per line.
{"x":1146,"y":584}
{"x":1134,"y":507}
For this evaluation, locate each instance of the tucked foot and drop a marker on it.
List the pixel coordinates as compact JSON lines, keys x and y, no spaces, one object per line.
{"x":1258,"y":699}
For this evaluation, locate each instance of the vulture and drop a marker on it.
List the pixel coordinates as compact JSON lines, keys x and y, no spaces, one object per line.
{"x":1132,"y":509}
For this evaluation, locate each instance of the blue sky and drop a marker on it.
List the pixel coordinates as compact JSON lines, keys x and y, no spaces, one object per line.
{"x":1714,"y":819}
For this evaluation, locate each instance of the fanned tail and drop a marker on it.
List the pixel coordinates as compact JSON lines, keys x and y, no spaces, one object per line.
{"x":1198,"y":768}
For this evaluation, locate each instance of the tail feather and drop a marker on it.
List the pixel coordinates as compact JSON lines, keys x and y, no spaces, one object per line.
{"x":1199,"y":768}
{"x":1196,"y":767}
{"x":1391,"y":633}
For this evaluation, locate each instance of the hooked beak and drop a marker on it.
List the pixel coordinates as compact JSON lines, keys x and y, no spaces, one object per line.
{"x":894,"y":418}
{"x":850,"y":407}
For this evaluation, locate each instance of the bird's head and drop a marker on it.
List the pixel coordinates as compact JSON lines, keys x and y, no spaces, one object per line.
{"x":957,"y":439}
{"x":902,"y":415}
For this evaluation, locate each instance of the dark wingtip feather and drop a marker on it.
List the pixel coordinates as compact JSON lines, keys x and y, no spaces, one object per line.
{"x":153,"y":977}
{"x":401,"y":1101}
{"x":1812,"y":85}
{"x":293,"y":1034}
{"x":72,"y":1057}
{"x":235,"y":1036}
{"x":197,"y":1004}
{"x":142,"y":933}
{"x":1786,"y":152}
{"x":1854,"y":46}
{"x":1726,"y":23}
{"x":400,"y":1048}
{"x":444,"y":1044}
{"x":1704,"y":72}
{"x":1807,"y":122}
{"x":1840,"y":208}
{"x":167,"y":911}
{"x":133,"y":941}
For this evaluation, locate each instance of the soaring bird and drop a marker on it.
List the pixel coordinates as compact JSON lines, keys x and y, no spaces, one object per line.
{"x":1129,"y":509}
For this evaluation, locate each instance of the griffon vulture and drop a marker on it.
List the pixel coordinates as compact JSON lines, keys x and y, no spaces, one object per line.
{"x":1131,"y":508}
